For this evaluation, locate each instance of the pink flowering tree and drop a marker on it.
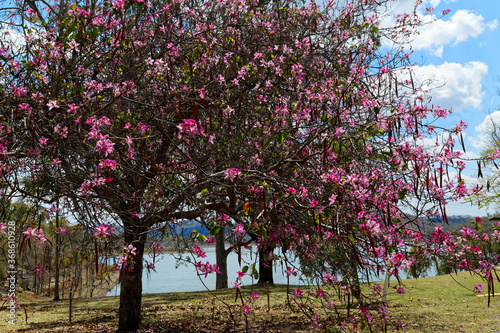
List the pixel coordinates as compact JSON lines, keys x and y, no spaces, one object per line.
{"x":283,"y":115}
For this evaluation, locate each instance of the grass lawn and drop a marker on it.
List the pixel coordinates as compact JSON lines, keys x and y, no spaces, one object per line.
{"x":436,"y":304}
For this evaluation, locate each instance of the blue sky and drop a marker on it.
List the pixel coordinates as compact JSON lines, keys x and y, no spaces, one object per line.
{"x":461,"y":52}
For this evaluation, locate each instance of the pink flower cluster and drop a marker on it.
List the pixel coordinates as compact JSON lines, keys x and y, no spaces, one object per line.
{"x":207,"y":268}
{"x":231,"y":173}
{"x":239,"y":230}
{"x":190,"y":127}
{"x":39,"y":271}
{"x":36,"y":234}
{"x":127,"y":260}
{"x":199,"y":252}
{"x":102,"y":231}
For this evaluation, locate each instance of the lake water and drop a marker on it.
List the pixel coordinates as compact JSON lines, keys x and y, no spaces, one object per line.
{"x":168,"y":278}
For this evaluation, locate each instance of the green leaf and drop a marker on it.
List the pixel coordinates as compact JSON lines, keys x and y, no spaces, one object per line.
{"x":215,"y":230}
{"x":254,"y":272}
{"x":280,"y":136}
{"x":244,"y":269}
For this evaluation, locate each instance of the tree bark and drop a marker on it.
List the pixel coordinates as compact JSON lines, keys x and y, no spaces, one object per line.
{"x":265,"y":266}
{"x":221,"y":259}
{"x":131,"y":282}
{"x":56,"y":284}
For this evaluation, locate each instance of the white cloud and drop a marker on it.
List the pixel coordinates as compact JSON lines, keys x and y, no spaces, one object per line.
{"x":487,"y":130}
{"x":453,"y":85}
{"x":492,"y":25}
{"x":434,"y":3}
{"x":11,"y":38}
{"x":462,"y":25}
{"x":463,"y":208}
{"x":434,"y":33}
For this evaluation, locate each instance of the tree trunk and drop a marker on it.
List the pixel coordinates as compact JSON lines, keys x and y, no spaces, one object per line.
{"x":265,"y":266}
{"x":221,"y":259}
{"x":56,"y":284}
{"x":131,"y":282}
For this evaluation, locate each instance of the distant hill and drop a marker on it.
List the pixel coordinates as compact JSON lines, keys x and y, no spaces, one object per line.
{"x":186,"y":228}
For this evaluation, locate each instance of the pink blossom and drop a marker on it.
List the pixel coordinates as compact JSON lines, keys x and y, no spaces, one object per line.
{"x":239,"y":230}
{"x":246,"y":309}
{"x":72,"y":108}
{"x":130,"y":249}
{"x":297,"y":292}
{"x":107,"y":164}
{"x":123,"y":261}
{"x":231,"y":173}
{"x":329,"y":279}
{"x":320,"y":293}
{"x":63,"y":132}
{"x":143,"y":128}
{"x":478,"y":288}
{"x":25,"y":107}
{"x":56,"y":162}
{"x":207,"y":268}
{"x":104,"y":146}
{"x":157,"y":248}
{"x":30,"y":233}
{"x":190,"y":127}
{"x":314,"y":322}
{"x":63,"y":231}
{"x":254,"y":296}
{"x":464,"y":264}
{"x":101,"y":231}
{"x":52,"y":105}
{"x":400,"y":290}
{"x":119,"y":5}
{"x":199,"y":252}
{"x":476,"y":249}
{"x":210,"y":239}
{"x":43,"y":141}
{"x":290,"y":271}
{"x":39,"y":271}
{"x":202,"y":93}
{"x":2,"y":228}
{"x":73,"y":45}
